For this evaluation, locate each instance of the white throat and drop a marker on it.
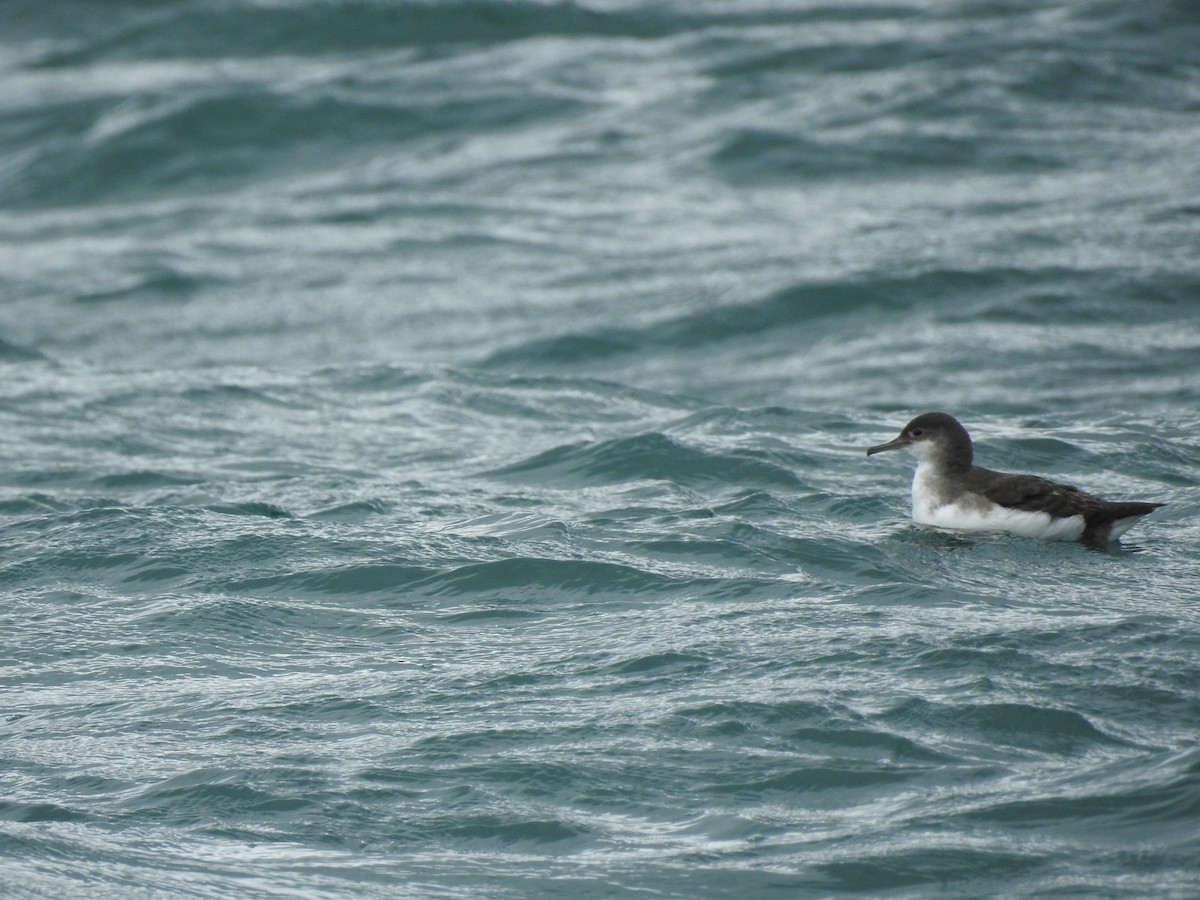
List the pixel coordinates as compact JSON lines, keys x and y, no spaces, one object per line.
{"x":926,"y":498}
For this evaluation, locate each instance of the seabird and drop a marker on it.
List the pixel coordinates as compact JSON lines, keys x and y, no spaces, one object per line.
{"x":949,"y":492}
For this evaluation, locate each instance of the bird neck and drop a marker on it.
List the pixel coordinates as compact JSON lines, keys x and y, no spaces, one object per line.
{"x":945,"y":459}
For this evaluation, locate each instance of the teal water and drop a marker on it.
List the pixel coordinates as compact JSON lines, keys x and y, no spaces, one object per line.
{"x":433,"y":448}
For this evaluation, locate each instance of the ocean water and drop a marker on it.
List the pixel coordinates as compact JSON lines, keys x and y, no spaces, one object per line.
{"x":432,"y":447}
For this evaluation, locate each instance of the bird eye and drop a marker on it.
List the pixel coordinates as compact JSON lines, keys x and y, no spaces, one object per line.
{"x":916,"y":432}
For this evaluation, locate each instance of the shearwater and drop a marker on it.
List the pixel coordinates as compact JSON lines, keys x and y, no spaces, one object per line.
{"x":948,"y":491}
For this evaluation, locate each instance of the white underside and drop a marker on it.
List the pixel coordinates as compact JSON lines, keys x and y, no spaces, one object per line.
{"x":975,"y":513}
{"x":1120,"y":526}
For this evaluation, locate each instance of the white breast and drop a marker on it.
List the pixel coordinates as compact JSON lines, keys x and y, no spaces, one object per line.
{"x":972,"y":512}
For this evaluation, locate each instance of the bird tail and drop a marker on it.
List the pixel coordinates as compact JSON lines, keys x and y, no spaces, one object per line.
{"x":1113,"y":511}
{"x":1113,"y":519}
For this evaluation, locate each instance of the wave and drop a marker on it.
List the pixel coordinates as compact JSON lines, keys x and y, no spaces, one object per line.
{"x":514,"y":578}
{"x":1177,"y":800}
{"x":252,"y":508}
{"x":155,"y":283}
{"x":16,"y":811}
{"x":144,"y":478}
{"x":343,"y":581}
{"x":552,"y":577}
{"x":1019,"y":727}
{"x":349,"y":26}
{"x":355,"y":26}
{"x":645,"y":457}
{"x":803,"y":305}
{"x":752,"y":156}
{"x":354,"y":511}
{"x":887,"y":873}
{"x":492,"y":829}
{"x":815,"y":779}
{"x":215,"y":140}
{"x":12,"y":353}
{"x":211,"y":793}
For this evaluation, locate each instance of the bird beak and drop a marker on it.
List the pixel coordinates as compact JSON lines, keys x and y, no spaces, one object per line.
{"x":897,"y":444}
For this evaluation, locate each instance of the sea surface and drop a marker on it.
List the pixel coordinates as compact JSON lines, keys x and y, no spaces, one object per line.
{"x":432,"y":447}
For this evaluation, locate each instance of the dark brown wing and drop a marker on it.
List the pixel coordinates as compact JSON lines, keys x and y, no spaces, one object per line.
{"x":1031,"y":493}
